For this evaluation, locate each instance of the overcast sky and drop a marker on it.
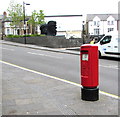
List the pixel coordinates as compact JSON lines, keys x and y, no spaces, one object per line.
{"x":56,"y":7}
{"x":67,"y":7}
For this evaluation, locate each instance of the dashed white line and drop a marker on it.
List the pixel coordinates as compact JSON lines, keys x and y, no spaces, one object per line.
{"x":110,"y":66}
{"x":36,"y":54}
{"x":45,"y":55}
{"x":7,"y":49}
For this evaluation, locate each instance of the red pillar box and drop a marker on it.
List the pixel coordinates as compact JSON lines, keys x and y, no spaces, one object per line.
{"x":89,"y":72}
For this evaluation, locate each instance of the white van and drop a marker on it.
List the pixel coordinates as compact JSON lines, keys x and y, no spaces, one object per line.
{"x":108,"y":45}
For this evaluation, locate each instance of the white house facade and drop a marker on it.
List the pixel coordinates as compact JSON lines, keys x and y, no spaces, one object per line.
{"x":9,"y":29}
{"x":101,"y":24}
{"x":12,"y":30}
{"x":15,"y":30}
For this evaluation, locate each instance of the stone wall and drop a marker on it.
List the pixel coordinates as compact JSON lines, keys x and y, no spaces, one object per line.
{"x":48,"y":41}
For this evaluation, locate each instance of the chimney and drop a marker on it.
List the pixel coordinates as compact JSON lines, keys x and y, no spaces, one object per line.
{"x":4,"y":14}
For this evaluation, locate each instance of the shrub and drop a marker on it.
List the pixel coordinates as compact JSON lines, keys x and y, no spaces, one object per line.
{"x":17,"y":36}
{"x":9,"y":36}
{"x":14,"y":36}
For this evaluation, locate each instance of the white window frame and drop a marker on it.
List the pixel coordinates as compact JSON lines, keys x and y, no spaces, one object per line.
{"x":108,"y":22}
{"x":112,"y":22}
{"x":8,"y":31}
{"x":96,"y":31}
{"x":110,"y":29}
{"x":95,"y":23}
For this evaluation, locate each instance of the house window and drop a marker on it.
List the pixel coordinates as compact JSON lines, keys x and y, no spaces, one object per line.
{"x":94,"y":23}
{"x":112,"y":22}
{"x":108,"y":22}
{"x":98,"y":23}
{"x":8,"y":31}
{"x":110,"y":29}
{"x":96,"y":31}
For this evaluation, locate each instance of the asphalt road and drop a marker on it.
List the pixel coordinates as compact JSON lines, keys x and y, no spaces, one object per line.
{"x":62,"y":65}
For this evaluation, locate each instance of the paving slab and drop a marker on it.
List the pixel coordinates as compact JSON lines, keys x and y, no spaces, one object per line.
{"x":28,"y":93}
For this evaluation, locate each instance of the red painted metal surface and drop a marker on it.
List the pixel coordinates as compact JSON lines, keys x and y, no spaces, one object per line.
{"x":89,"y":66}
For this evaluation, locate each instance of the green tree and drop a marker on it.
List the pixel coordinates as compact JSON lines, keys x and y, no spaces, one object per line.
{"x":36,"y":19}
{"x":15,"y":14}
{"x":41,"y":17}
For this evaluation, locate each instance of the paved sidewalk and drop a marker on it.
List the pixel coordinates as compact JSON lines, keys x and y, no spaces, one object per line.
{"x":28,"y":92}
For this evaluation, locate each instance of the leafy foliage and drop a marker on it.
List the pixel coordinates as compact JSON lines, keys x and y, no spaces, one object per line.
{"x":15,"y":13}
{"x":17,"y":36}
{"x":37,"y":18}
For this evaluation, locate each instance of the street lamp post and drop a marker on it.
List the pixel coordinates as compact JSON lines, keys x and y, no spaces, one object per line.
{"x":83,"y":30}
{"x":24,"y":21}
{"x":2,"y":30}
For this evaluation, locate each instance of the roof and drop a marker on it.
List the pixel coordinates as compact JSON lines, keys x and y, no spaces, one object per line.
{"x":64,"y":16}
{"x":103,"y":17}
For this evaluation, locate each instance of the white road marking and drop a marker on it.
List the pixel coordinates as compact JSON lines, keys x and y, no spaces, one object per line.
{"x":7,"y":49}
{"x":60,"y":79}
{"x":110,"y":95}
{"x":36,"y":54}
{"x":44,"y":55}
{"x":110,"y":66}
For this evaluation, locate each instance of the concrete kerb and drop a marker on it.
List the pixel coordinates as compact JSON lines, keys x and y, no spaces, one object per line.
{"x":41,"y":48}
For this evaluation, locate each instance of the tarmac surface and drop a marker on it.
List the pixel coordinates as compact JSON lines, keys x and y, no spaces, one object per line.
{"x":35,"y":93}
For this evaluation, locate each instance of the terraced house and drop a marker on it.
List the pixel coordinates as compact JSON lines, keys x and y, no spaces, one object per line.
{"x":14,"y":30}
{"x":101,"y":24}
{"x":96,"y":25}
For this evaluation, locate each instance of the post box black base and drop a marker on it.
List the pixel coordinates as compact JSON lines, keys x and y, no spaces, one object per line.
{"x":90,"y":94}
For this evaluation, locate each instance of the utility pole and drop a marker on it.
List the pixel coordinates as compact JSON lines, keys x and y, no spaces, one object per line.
{"x":24,"y":21}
